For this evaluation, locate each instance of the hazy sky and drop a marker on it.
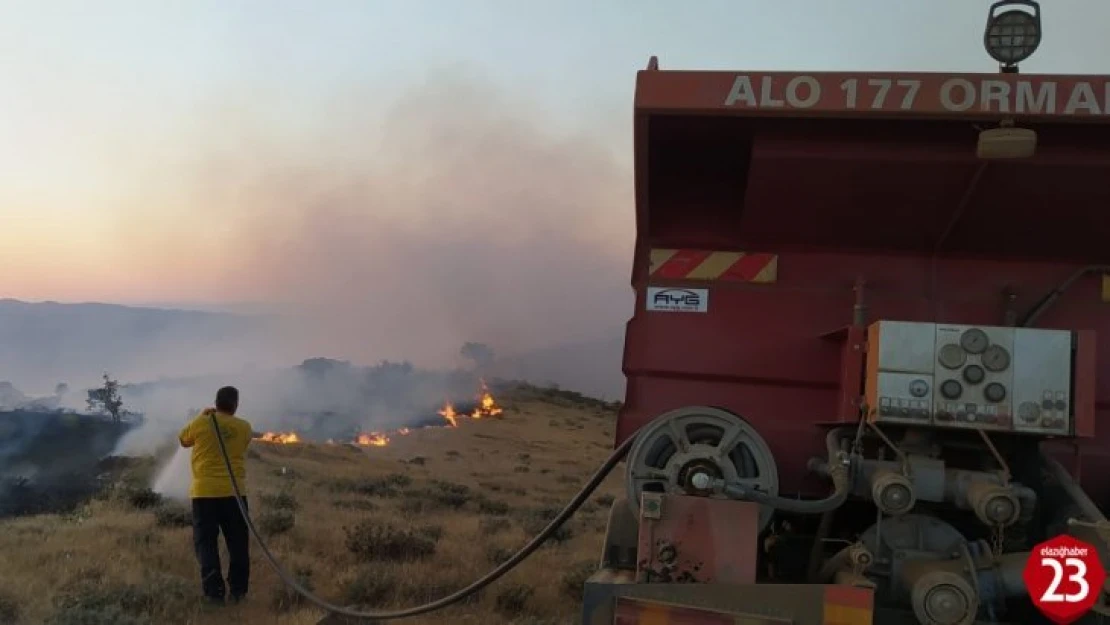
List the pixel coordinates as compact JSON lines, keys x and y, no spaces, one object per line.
{"x":462,"y":165}
{"x":111,"y":111}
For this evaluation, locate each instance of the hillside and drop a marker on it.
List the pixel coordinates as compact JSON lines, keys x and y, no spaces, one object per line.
{"x":589,"y":367}
{"x":49,"y":342}
{"x":388,"y":526}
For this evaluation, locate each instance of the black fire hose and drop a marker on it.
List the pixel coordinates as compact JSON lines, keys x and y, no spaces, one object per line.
{"x":1048,"y":300}
{"x":607,"y":467}
{"x":836,"y":468}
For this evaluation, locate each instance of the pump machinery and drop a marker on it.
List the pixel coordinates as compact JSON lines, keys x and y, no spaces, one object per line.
{"x":862,"y":372}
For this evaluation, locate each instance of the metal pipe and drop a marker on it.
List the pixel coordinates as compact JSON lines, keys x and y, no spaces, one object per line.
{"x":859,"y":309}
{"x":1048,"y":300}
{"x":854,"y":557}
{"x":818,"y":546}
{"x":1064,"y":479}
{"x":1008,"y":569}
{"x":1009,"y":313}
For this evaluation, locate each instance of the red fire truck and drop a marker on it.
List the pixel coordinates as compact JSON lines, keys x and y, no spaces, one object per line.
{"x":863,"y":371}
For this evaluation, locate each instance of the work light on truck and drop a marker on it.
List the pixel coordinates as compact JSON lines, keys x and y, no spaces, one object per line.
{"x":1013,"y":34}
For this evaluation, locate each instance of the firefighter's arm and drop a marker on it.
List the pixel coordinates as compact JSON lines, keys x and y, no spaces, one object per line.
{"x":187,"y":438}
{"x":188,"y":435}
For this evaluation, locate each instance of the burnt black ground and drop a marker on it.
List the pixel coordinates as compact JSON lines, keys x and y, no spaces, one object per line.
{"x":52,"y":461}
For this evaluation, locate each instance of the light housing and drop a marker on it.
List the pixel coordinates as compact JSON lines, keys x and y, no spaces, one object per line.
{"x":1013,"y":31}
{"x":1006,"y":142}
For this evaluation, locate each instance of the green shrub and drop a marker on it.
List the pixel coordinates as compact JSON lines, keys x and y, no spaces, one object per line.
{"x":371,"y":586}
{"x":512,"y":600}
{"x":143,"y":498}
{"x":274,"y":522}
{"x":489,"y":527}
{"x":492,"y":506}
{"x":373,"y":541}
{"x":9,"y":608}
{"x":93,"y":603}
{"x":431,"y":532}
{"x":449,"y":494}
{"x":386,"y":486}
{"x":437,"y":496}
{"x":496,"y":554}
{"x":574,"y":580}
{"x":355,"y":504}
{"x":534,"y":521}
{"x":173,"y":515}
{"x":285,"y":599}
{"x":280,"y":501}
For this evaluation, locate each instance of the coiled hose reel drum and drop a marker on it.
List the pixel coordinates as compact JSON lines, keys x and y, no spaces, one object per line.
{"x":700,"y":441}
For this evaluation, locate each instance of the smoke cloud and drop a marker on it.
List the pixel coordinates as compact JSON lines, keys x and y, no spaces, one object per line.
{"x":456,"y":215}
{"x":320,"y":399}
{"x":394,"y":227}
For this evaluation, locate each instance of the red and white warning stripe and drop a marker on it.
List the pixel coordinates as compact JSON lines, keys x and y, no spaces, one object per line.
{"x":685,"y":264}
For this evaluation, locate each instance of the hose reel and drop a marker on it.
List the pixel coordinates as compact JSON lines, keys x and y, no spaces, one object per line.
{"x":683,"y":450}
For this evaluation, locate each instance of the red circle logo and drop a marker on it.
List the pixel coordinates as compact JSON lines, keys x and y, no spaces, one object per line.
{"x":1064,"y":577}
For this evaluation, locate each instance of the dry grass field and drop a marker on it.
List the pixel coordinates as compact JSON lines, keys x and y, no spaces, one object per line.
{"x":380,"y":527}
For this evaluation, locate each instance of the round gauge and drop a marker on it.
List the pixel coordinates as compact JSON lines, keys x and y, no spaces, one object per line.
{"x":994,"y":392}
{"x":951,"y":389}
{"x":1029,"y":412}
{"x":974,"y":341}
{"x":919,"y":388}
{"x":952,"y":356}
{"x":974,"y":374}
{"x":996,"y":358}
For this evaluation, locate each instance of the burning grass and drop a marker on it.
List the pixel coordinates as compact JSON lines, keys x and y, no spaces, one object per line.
{"x":483,"y":407}
{"x":362,"y":522}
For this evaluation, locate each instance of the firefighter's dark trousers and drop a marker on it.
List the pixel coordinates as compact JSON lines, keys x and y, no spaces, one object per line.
{"x":211,"y":515}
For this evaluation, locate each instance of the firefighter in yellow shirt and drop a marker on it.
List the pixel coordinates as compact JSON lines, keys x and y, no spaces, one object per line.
{"x":214,"y":506}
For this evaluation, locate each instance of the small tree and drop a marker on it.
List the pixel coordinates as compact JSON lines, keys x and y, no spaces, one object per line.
{"x":106,"y":399}
{"x":480,"y":353}
{"x":322,"y":366}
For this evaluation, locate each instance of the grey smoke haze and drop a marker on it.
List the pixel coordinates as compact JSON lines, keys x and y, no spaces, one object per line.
{"x":465,"y":220}
{"x":319,"y":399}
{"x":381,"y":232}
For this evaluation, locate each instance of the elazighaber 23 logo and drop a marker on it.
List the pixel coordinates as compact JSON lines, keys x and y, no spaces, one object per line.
{"x":1064,"y":577}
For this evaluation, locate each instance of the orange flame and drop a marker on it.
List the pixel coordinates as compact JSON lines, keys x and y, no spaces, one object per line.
{"x":448,"y":412}
{"x":372,"y":439}
{"x":486,"y":407}
{"x":284,"y":438}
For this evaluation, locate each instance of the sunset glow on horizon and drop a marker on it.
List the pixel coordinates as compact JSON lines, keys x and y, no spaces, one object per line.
{"x":195,"y":152}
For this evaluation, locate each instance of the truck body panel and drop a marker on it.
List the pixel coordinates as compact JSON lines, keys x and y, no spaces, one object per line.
{"x":863,"y":205}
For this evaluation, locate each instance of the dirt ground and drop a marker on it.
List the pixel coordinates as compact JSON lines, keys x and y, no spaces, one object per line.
{"x":380,"y":527}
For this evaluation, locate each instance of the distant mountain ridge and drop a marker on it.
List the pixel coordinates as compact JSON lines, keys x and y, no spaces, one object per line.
{"x":46,"y":342}
{"x":43,"y":343}
{"x":592,"y":368}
